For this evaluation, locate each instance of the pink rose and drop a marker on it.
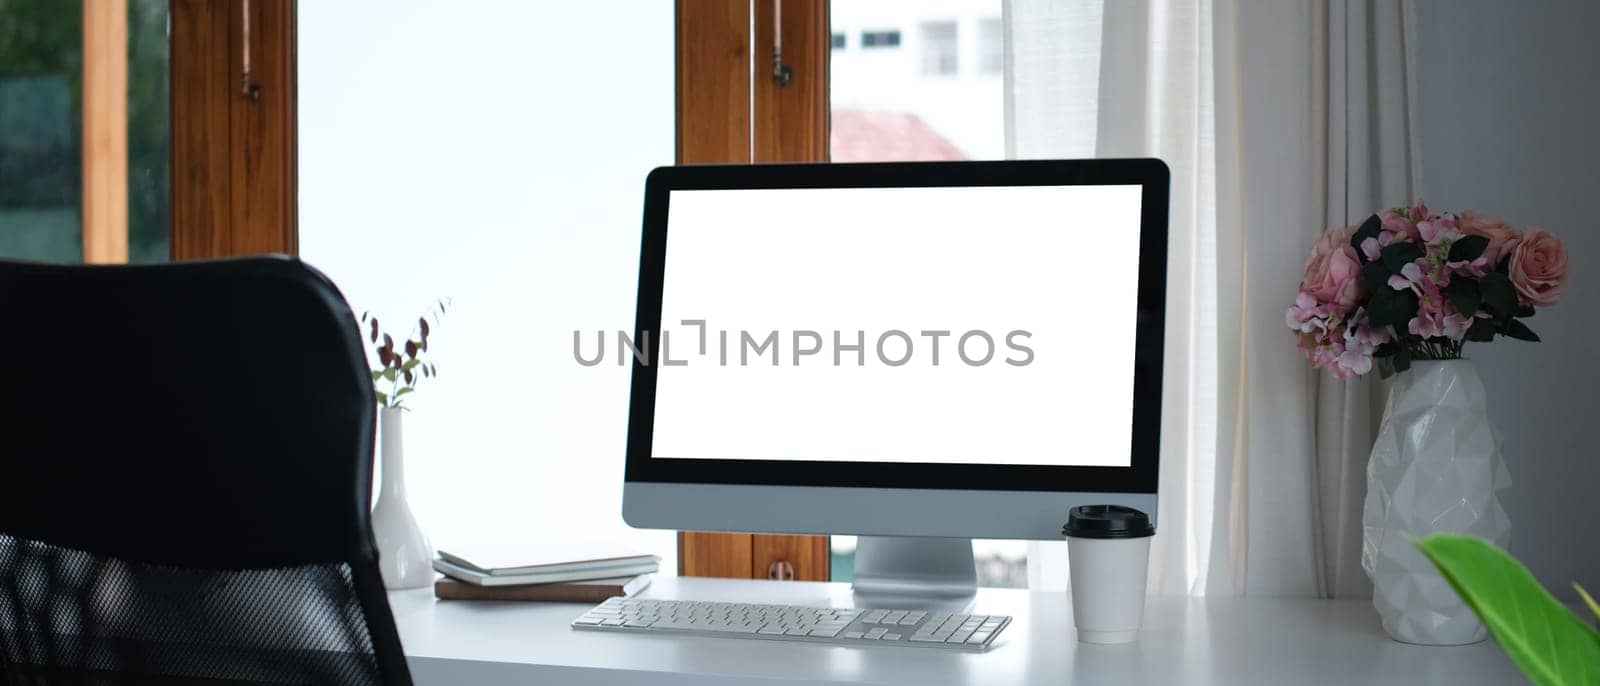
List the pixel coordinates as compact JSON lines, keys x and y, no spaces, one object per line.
{"x":1333,"y":274}
{"x":1502,"y":238}
{"x":1538,"y":268}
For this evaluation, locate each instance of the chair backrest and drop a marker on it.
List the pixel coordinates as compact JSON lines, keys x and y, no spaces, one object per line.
{"x":185,"y":473}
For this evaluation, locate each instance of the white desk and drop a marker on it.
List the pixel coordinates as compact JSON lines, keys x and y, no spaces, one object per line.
{"x":1190,"y":641}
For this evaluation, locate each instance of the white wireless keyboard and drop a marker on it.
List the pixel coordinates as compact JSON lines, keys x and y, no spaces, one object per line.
{"x":836,"y":626}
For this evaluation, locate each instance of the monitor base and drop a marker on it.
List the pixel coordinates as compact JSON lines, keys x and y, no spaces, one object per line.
{"x":933,"y":574}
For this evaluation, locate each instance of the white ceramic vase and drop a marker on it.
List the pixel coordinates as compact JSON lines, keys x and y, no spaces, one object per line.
{"x":1435,"y":468}
{"x":404,"y":556}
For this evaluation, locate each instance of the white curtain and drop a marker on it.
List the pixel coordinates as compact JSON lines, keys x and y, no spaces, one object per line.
{"x":1276,"y":122}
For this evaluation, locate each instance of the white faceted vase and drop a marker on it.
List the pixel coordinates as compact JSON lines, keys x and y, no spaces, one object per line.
{"x":404,"y":556}
{"x":1435,"y":468}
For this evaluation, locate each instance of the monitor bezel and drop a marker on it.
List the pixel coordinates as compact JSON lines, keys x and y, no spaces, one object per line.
{"x":1145,"y":439}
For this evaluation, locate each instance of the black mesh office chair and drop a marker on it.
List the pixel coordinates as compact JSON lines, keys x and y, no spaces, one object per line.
{"x":185,"y":460}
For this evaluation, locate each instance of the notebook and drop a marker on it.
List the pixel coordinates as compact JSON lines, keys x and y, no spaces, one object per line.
{"x":591,"y":591}
{"x":521,"y":559}
{"x":481,"y":578}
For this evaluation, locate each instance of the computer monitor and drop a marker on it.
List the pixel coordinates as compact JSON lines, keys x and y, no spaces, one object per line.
{"x":916,"y":353}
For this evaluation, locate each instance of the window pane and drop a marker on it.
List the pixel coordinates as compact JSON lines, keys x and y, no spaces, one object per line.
{"x":498,"y":171}
{"x":991,"y":46}
{"x":939,"y":48}
{"x":41,"y":74}
{"x":880,"y":39}
{"x":918,"y":104}
{"x":149,"y":132}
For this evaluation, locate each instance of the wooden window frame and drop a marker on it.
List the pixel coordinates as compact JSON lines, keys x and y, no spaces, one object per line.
{"x":233,"y":128}
{"x":721,"y":95}
{"x":105,"y":131}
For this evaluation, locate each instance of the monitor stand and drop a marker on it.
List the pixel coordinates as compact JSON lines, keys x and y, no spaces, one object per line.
{"x":933,"y":574}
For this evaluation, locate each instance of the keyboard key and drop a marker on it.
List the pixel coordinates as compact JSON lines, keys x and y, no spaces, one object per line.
{"x":979,"y":637}
{"x":797,"y":631}
{"x":853,"y":634}
{"x":909,"y":620}
{"x":926,"y":639}
{"x":771,"y":629}
{"x":587,"y":620}
{"x":637,"y":623}
{"x":876,"y":634}
{"x":959,"y":636}
{"x":611,"y":621}
{"x":891,"y":637}
{"x":826,"y":632}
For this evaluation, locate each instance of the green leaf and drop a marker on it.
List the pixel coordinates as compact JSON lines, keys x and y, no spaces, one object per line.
{"x":1396,"y":256}
{"x":410,"y":365}
{"x":1402,"y":361}
{"x":383,"y":399}
{"x":1481,"y":331}
{"x":389,"y":375}
{"x":1376,"y":276}
{"x":1549,"y":644}
{"x":1498,"y":294}
{"x":377,"y":374}
{"x":1389,"y":307}
{"x":1468,"y":248}
{"x":403,"y":391}
{"x":1464,"y":294}
{"x":1519,"y":331}
{"x":1369,"y":229}
{"x":1523,"y":311}
{"x":1593,"y":607}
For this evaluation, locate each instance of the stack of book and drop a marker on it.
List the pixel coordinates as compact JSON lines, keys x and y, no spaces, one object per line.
{"x":553,"y":573}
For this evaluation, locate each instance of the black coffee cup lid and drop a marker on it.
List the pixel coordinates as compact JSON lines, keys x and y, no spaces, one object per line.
{"x":1107,"y":521}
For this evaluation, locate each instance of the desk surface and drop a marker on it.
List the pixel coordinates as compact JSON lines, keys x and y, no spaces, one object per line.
{"x":1185,"y":640}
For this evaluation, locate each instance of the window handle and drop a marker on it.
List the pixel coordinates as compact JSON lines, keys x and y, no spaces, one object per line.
{"x":247,"y":87}
{"x":781,"y":74}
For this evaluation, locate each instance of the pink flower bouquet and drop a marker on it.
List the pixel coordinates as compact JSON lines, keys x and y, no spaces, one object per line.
{"x":1413,"y":284}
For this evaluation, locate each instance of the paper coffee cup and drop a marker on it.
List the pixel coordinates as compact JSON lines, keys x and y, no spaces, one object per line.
{"x":1108,"y":551}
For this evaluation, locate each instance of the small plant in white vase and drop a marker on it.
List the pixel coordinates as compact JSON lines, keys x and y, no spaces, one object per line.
{"x":404,"y":555}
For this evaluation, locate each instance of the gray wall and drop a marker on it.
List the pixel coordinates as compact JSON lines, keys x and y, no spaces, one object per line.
{"x":1510,"y":125}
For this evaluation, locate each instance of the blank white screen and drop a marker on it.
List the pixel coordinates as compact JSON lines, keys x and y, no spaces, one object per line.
{"x":1059,"y":262}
